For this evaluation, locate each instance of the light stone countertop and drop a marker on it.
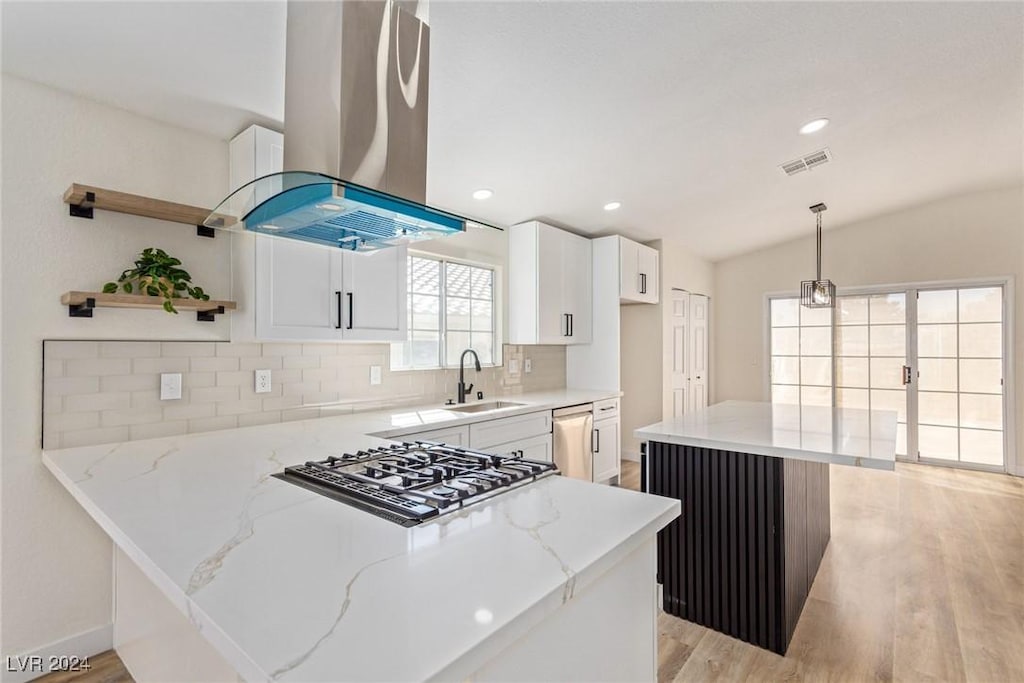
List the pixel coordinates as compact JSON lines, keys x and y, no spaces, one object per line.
{"x":839,"y":436}
{"x":289,"y":585}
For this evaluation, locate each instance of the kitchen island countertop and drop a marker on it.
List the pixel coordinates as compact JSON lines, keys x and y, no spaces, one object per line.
{"x":290,"y":585}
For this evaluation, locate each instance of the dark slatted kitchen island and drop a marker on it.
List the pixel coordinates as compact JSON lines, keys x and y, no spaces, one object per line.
{"x":753,"y":479}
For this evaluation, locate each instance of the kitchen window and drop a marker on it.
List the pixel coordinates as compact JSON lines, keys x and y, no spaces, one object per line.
{"x":451,"y":308}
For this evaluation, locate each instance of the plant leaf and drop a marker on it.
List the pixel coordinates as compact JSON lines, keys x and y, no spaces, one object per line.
{"x":127,"y":286}
{"x":110,"y":288}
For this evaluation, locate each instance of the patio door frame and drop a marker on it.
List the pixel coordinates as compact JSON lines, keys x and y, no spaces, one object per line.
{"x":911,"y":289}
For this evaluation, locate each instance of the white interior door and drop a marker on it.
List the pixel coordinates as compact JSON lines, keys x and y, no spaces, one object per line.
{"x":679,"y":325}
{"x":698,"y":352}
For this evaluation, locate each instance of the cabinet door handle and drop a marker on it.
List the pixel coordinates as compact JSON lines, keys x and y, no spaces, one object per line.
{"x":350,"y":298}
{"x":338,"y":299}
{"x":595,"y":440}
{"x":640,"y":283}
{"x":643,"y":283}
{"x":565,"y":317}
{"x":570,"y":324}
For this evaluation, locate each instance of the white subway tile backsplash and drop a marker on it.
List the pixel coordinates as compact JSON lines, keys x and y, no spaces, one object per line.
{"x":96,"y":392}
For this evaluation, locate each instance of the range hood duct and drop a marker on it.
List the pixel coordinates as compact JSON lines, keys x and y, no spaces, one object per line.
{"x":355,"y":152}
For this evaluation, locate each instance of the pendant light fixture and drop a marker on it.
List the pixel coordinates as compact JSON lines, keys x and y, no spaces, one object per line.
{"x":818,"y":293}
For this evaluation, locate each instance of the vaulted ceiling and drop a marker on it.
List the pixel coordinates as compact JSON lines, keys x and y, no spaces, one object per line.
{"x":681,"y":111}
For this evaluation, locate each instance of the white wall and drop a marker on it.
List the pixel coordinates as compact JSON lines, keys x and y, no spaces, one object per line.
{"x":56,"y":563}
{"x":642,"y":339}
{"x":967,"y":236}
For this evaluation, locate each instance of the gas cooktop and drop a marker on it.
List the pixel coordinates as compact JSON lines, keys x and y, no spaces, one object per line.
{"x":414,"y":482}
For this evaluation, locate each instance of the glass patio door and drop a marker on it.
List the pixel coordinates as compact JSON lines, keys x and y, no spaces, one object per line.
{"x":960,"y":403}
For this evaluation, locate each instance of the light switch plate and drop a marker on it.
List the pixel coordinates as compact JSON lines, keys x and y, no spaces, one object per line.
{"x":375,"y":376}
{"x":527,"y":366}
{"x":262,"y":382}
{"x":170,"y":386}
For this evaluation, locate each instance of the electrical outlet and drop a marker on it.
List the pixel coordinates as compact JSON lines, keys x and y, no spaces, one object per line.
{"x":375,"y":377}
{"x":527,"y":366}
{"x":170,"y":386}
{"x":262,"y":382}
{"x":513,"y":366}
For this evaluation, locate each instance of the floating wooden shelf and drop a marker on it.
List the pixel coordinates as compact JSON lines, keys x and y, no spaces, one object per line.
{"x":84,"y":198}
{"x":80,"y":304}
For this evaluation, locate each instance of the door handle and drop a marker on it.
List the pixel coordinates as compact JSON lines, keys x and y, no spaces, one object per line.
{"x":570,"y":324}
{"x":338,"y":298}
{"x":350,"y":298}
{"x":643,"y":283}
{"x":640,"y":283}
{"x":595,"y":441}
{"x":906,"y":374}
{"x":565,"y":319}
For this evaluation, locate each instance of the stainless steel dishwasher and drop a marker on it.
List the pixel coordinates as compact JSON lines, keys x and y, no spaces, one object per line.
{"x":573,"y":429}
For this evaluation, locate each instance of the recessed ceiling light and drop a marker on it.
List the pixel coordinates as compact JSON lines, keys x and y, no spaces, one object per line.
{"x":611,"y":206}
{"x":813,"y":126}
{"x":483,"y":193}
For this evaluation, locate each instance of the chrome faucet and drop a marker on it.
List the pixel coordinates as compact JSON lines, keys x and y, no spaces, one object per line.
{"x":463,"y":389}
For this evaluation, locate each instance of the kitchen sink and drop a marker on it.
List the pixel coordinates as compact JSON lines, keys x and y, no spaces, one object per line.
{"x":483,"y":407}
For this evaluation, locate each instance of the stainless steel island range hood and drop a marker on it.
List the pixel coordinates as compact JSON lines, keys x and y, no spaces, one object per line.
{"x":355,"y":152}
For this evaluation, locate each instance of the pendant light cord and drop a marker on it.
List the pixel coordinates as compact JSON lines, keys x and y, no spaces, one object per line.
{"x":819,"y":246}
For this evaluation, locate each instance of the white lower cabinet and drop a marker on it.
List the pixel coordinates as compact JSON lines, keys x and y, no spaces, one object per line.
{"x":494,"y":433}
{"x":453,"y":436}
{"x":534,"y":448}
{"x":606,"y":449}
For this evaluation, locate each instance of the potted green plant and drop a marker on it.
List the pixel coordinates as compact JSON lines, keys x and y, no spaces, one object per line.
{"x":157,"y":273}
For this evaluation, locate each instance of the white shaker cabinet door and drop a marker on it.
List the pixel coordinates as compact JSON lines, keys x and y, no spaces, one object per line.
{"x":298,"y":289}
{"x":552,"y":323}
{"x":577,"y":287}
{"x":606,"y":449}
{"x":647,"y":266}
{"x":629,"y":270}
{"x":374,"y":296}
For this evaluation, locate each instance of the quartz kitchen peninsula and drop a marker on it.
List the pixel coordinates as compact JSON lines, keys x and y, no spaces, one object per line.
{"x":753,"y":479}
{"x":252,"y":577}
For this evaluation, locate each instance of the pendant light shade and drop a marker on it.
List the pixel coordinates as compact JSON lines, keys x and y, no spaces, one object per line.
{"x":818,"y":293}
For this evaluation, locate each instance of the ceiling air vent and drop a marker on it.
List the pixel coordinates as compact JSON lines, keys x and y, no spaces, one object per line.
{"x":812,"y":160}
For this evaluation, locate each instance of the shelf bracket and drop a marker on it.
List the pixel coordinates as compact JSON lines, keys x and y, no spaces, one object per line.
{"x":84,"y":208}
{"x":83,"y":310}
{"x":204,"y":231}
{"x":210,"y":315}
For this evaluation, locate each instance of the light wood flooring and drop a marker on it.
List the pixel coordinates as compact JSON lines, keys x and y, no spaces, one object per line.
{"x":923,"y":580}
{"x":106,"y":667}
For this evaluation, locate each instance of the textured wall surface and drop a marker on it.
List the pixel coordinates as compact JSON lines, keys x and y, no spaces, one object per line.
{"x":108,"y":391}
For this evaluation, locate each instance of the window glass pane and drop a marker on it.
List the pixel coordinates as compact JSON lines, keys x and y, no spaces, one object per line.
{"x":889,"y":340}
{"x":815,"y":341}
{"x":786,"y":341}
{"x":852,"y":372}
{"x":458,"y":314}
{"x":482,"y":320}
{"x":483,"y":344}
{"x":888,"y":308}
{"x":939,"y":443}
{"x":982,"y":305}
{"x":936,"y":306}
{"x":425,"y":312}
{"x":983,"y":376}
{"x":901,"y":439}
{"x":785,"y":312}
{"x":482,"y":283}
{"x":457,"y":342}
{"x":981,"y":447}
{"x":785,"y":394}
{"x":882,"y":399}
{"x":936,"y":340}
{"x":786,"y":369}
{"x":816,"y":371}
{"x":815,"y":317}
{"x":852,"y":398}
{"x":852,"y":310}
{"x":852,"y":340}
{"x":425,"y":275}
{"x":982,"y":411}
{"x":981,"y":340}
{"x":935,"y":408}
{"x":426,"y":347}
{"x":458,"y":279}
{"x":400,"y":355}
{"x":815,"y":396}
{"x":937,"y":374}
{"x":886,"y":373}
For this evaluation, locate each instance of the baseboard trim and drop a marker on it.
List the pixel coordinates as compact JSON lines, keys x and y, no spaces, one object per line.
{"x":27,"y":666}
{"x":632,"y":456}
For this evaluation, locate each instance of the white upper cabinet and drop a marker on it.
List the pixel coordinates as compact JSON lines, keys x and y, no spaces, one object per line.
{"x":550,"y":286}
{"x":638,"y":273}
{"x":290,"y":290}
